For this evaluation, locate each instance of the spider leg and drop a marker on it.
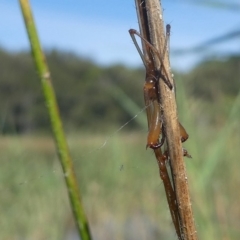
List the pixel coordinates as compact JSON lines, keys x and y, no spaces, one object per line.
{"x":154,"y":49}
{"x":171,"y":196}
{"x":167,"y":39}
{"x":132,"y":33}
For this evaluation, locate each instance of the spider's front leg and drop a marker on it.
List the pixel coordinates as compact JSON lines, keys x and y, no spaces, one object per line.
{"x":155,"y":53}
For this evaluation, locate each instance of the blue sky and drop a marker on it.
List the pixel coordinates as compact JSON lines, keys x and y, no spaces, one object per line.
{"x":99,"y":29}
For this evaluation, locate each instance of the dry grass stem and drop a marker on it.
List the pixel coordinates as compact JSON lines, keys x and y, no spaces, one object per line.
{"x":152,"y":28}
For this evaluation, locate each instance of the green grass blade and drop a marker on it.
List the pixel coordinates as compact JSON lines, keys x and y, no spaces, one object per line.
{"x":52,"y":107}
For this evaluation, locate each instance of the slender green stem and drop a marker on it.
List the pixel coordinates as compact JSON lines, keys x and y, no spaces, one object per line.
{"x":59,"y":136}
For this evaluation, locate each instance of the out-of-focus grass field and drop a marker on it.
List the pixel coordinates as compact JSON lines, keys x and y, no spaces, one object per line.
{"x":119,"y":180}
{"x":121,"y":189}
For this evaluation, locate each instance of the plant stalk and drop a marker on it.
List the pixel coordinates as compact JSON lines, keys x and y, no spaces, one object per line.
{"x":56,"y":123}
{"x":151,"y":26}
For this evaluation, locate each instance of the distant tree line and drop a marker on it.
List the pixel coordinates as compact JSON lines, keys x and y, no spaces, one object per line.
{"x":87,"y":93}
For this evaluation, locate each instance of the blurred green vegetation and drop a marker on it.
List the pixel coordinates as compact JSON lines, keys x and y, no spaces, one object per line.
{"x":121,"y":188}
{"x":122,"y":191}
{"x":100,"y":98}
{"x":81,"y":87}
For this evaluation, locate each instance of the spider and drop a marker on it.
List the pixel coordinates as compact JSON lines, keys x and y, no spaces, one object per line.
{"x":151,"y":92}
{"x":154,"y":117}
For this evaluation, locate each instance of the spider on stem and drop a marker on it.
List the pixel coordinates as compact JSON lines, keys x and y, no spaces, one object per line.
{"x":154,"y":116}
